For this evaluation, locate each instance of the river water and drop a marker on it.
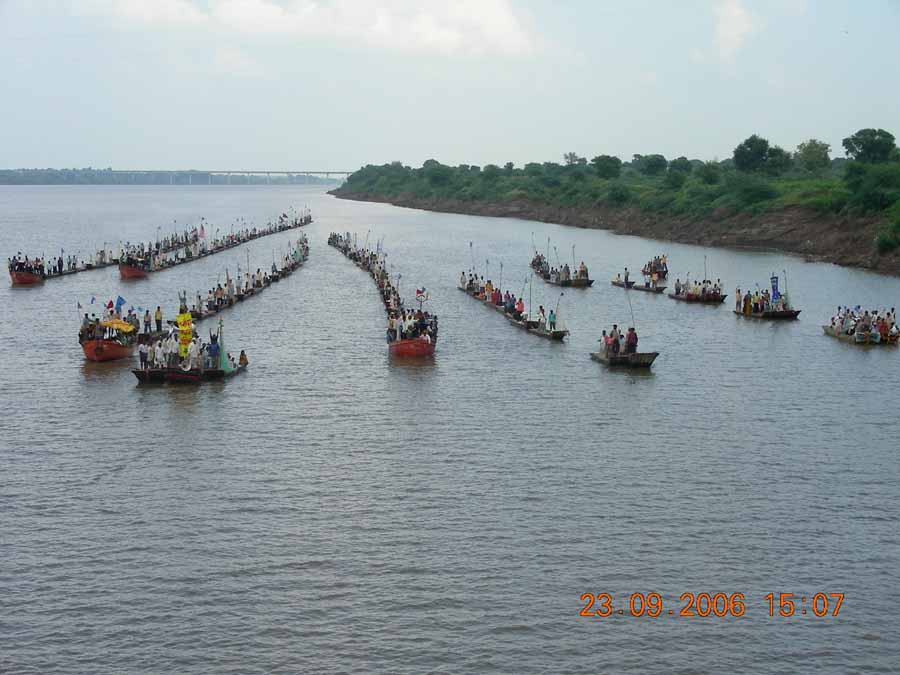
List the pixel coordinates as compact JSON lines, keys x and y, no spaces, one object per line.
{"x":332,"y":511}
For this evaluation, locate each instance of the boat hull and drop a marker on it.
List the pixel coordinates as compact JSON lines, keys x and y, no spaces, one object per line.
{"x":700,"y":299}
{"x":415,"y":347}
{"x":530,"y":326}
{"x":131,"y":272}
{"x":637,"y":360}
{"x":646,"y":288}
{"x":22,"y":278}
{"x":772,"y":315}
{"x":853,"y":339}
{"x":106,"y":350}
{"x":179,"y":376}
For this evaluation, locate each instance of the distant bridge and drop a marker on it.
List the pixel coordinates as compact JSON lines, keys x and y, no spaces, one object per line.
{"x":199,"y":177}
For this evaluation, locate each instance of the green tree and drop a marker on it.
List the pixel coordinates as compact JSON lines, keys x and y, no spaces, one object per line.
{"x":534,"y":169}
{"x":778,"y":161}
{"x":812,"y":155}
{"x":709,"y":172}
{"x":572,"y":159}
{"x":491,"y":173}
{"x":437,"y":173}
{"x":607,"y":166}
{"x":508,"y":168}
{"x":870,"y":145}
{"x":675,"y":179}
{"x":751,"y":154}
{"x":653,"y":165}
{"x":682,"y":164}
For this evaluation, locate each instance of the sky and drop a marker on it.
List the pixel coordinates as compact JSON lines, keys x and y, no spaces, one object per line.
{"x":336,"y":84}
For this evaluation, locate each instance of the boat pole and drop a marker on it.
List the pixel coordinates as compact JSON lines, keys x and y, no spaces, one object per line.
{"x":530,"y":280}
{"x":500,"y":287}
{"x":573,"y":257}
{"x":630,"y":308}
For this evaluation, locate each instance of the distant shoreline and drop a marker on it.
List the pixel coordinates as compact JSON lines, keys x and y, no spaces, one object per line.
{"x":817,"y":237}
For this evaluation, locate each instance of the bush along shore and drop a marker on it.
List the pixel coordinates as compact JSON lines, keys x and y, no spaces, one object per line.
{"x":845,"y":211}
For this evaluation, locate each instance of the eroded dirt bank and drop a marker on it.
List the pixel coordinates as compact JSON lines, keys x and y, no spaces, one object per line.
{"x":840,"y":239}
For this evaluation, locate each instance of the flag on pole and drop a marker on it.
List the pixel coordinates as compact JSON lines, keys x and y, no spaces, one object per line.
{"x":119,"y":302}
{"x":93,"y":299}
{"x":78,"y":304}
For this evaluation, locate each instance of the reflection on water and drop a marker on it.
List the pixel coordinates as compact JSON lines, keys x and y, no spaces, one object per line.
{"x":336,"y":510}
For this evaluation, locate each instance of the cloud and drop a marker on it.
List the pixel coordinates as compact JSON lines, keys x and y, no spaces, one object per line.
{"x":447,"y":27}
{"x":734,"y":24}
{"x":231,"y":61}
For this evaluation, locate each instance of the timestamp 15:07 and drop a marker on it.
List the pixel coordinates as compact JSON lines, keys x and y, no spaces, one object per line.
{"x":709,"y":604}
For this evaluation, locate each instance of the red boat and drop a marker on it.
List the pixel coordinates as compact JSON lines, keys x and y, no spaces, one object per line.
{"x":127,"y":271}
{"x":412,"y":347}
{"x":23,"y":278}
{"x":106,"y":350}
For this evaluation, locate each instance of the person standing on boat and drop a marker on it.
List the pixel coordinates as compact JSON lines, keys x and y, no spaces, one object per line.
{"x":542,"y":317}
{"x":551,"y":320}
{"x":142,"y":354}
{"x":147,"y":321}
{"x":631,"y":341}
{"x":614,"y":338}
{"x":626,"y":276}
{"x":159,"y":355}
{"x":520,"y":308}
{"x":158,"y":317}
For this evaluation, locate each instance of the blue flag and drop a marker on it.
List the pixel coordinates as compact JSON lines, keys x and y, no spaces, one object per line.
{"x":93,"y":299}
{"x":119,"y":302}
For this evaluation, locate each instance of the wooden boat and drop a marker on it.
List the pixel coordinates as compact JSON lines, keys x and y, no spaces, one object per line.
{"x":645,"y":287}
{"x":413,"y":347}
{"x":150,"y":375}
{"x":24,"y":278}
{"x":106,"y":350}
{"x":858,"y":339}
{"x":707,"y":299}
{"x":636,"y":360}
{"x":532,"y":327}
{"x":180,"y":376}
{"x":776,"y":314}
{"x":570,"y":283}
{"x":127,"y":271}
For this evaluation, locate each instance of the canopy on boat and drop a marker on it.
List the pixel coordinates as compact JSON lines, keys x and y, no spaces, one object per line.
{"x":118,"y":325}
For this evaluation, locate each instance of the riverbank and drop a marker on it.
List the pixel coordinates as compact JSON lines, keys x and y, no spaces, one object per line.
{"x":817,"y":237}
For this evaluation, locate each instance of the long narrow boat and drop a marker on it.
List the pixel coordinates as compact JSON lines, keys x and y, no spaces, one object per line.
{"x":574,"y":282}
{"x":708,"y":299}
{"x":645,"y":287}
{"x":532,"y":327}
{"x":773,"y":314}
{"x":636,"y":360}
{"x":860,"y":339}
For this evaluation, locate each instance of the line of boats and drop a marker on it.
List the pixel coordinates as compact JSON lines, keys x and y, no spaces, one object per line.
{"x":410,"y":334}
{"x":133,"y":267}
{"x":138,"y":261}
{"x":115,"y":338}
